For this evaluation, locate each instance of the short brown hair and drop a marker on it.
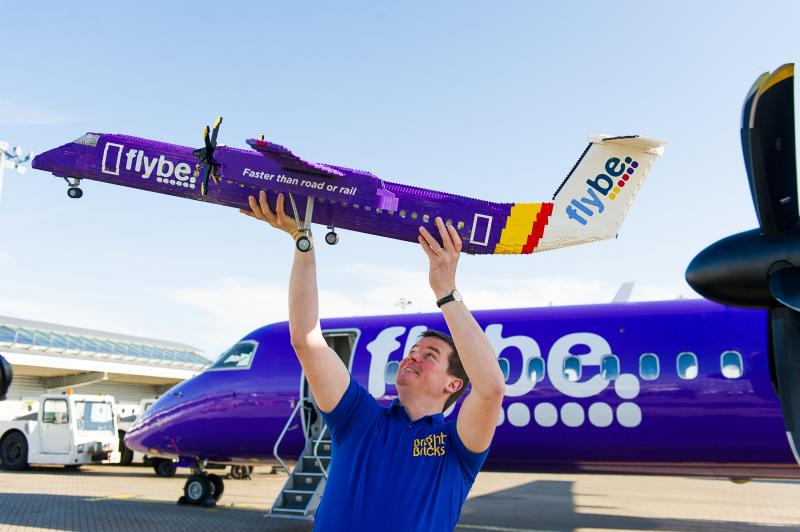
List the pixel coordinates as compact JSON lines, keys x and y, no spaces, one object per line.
{"x":454,"y":366}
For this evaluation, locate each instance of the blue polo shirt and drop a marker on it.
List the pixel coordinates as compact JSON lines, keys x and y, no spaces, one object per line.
{"x":388,"y":473}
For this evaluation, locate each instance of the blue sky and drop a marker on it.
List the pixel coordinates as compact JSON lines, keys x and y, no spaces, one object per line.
{"x":488,"y":100}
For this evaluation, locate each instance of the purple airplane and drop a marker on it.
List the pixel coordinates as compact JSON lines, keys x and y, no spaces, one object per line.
{"x":680,"y":387}
{"x":590,"y":204}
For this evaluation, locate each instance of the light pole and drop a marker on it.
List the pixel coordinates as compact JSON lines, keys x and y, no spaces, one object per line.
{"x":403,"y":303}
{"x":12,"y":158}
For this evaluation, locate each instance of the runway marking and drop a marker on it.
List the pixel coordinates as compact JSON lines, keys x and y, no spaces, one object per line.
{"x":502,"y":528}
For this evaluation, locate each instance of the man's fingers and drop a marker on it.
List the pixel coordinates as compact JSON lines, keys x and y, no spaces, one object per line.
{"x":447,"y":241}
{"x":255,"y":208}
{"x":262,"y":201}
{"x":455,"y":237}
{"x":432,"y":242}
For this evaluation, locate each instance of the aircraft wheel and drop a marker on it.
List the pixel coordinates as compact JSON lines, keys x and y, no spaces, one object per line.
{"x":164,"y":468}
{"x":197,"y":489}
{"x":304,"y":244}
{"x":331,"y":238}
{"x":241,"y":472}
{"x":72,"y":467}
{"x":74,"y":192}
{"x":14,"y":452}
{"x":218,"y":485}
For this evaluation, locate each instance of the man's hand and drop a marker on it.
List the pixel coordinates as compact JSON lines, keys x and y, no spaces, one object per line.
{"x":443,"y":258}
{"x":278,"y":219}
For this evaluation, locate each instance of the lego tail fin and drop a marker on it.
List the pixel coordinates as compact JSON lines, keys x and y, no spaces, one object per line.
{"x":595,"y":197}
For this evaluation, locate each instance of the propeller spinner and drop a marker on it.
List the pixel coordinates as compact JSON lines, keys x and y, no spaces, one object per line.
{"x":760,"y":268}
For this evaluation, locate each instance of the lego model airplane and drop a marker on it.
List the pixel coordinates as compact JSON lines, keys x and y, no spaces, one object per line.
{"x":589,"y":205}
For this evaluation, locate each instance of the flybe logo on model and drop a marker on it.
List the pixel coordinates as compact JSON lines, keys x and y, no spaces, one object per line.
{"x":116,"y":157}
{"x":602,"y":186}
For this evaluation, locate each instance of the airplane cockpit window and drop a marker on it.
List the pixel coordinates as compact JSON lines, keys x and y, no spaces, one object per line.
{"x":572,"y":368}
{"x":536,"y":369}
{"x":390,"y":375}
{"x":649,"y":368}
{"x":609,"y":367}
{"x":732,"y":366}
{"x":687,"y":366}
{"x":504,"y":367}
{"x":240,"y":356}
{"x":89,"y":139}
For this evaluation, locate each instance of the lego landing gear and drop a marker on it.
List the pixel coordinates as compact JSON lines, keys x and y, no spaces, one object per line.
{"x":331,"y":238}
{"x":74,"y":190}
{"x":304,"y":243}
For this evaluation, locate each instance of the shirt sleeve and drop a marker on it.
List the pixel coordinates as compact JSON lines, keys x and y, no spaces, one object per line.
{"x":471,"y":462}
{"x":356,"y":408}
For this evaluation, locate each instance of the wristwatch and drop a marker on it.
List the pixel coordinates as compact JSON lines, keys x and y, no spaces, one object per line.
{"x":455,"y":295}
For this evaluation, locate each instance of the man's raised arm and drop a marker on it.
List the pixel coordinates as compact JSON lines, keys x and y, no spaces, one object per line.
{"x":326,"y":374}
{"x":477,"y":418}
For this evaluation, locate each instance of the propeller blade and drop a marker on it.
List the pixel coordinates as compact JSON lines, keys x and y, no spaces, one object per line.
{"x":785,"y":287}
{"x":204,"y":180}
{"x":773,"y":172}
{"x":6,"y":376}
{"x":785,"y":345}
{"x":207,"y":140}
{"x":745,"y":131}
{"x":215,"y":131}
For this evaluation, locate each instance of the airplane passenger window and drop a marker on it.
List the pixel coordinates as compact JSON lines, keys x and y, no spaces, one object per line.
{"x":536,"y":369}
{"x":426,"y":218}
{"x":390,"y":375}
{"x":240,"y":356}
{"x":687,"y":366}
{"x":503,"y":367}
{"x":732,"y":366}
{"x":402,"y":213}
{"x":413,"y":215}
{"x":649,"y":368}
{"x":572,"y":368}
{"x":609,"y":367}
{"x":460,"y":225}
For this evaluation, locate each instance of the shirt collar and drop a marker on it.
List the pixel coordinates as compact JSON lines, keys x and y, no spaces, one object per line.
{"x":396,"y":408}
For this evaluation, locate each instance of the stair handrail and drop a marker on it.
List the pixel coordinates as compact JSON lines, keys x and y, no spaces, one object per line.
{"x":300,"y":403}
{"x":316,"y":451}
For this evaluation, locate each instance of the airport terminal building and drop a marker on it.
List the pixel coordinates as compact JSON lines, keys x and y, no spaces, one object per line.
{"x":49,"y":358}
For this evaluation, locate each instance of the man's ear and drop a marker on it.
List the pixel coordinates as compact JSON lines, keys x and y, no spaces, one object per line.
{"x":454,"y":385}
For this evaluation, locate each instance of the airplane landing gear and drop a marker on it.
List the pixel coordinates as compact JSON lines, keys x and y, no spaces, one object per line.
{"x":331,"y":238}
{"x":74,"y":190}
{"x":202,"y":489}
{"x":304,"y":243}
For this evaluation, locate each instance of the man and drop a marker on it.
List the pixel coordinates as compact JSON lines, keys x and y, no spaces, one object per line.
{"x":402,"y":467}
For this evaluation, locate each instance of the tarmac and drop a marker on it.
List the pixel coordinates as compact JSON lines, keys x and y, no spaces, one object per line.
{"x":114,"y":498}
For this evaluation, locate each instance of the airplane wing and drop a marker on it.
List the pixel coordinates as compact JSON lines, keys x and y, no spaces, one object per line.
{"x":290,"y":161}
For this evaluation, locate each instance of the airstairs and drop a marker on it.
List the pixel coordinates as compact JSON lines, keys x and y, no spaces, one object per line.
{"x":302,"y":492}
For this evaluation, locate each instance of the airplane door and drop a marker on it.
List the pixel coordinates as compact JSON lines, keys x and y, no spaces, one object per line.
{"x":343,"y":343}
{"x":55,"y":434}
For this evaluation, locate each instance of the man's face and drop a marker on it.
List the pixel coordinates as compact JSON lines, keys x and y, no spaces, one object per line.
{"x":424,"y":370}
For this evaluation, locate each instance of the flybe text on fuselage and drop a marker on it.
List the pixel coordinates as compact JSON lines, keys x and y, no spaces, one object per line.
{"x":603,"y":186}
{"x":137,"y":162}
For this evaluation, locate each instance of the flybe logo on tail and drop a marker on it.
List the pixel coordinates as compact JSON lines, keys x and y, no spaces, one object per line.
{"x":602,"y":186}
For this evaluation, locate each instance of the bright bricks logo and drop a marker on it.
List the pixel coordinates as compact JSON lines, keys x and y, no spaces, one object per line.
{"x":602,"y":186}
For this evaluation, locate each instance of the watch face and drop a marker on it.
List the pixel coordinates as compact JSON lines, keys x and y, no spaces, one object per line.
{"x":456,"y":295}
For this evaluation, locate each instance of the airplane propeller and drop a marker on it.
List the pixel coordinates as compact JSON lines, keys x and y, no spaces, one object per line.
{"x":206,"y":156}
{"x":760,"y":268}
